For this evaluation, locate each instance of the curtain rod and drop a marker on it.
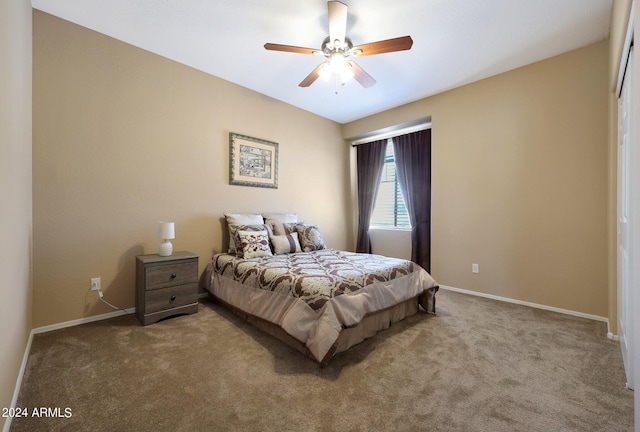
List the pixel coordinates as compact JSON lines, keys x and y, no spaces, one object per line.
{"x":393,"y":131}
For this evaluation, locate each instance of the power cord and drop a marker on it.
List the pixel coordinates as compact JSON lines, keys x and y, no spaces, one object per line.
{"x":101,"y":296}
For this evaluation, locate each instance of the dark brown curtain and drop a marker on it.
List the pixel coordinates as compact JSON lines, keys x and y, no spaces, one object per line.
{"x":370,"y":161}
{"x":413,"y":168}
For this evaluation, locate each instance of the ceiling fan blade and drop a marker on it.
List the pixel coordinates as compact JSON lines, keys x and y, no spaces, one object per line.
{"x":389,"y":45}
{"x":290,"y":48}
{"x":337,"y":21}
{"x":361,"y":76}
{"x":312,"y":77}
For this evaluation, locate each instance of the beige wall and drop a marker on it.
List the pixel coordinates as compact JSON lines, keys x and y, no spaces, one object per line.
{"x":520,"y":181}
{"x":15,"y":191}
{"x":124,"y":138}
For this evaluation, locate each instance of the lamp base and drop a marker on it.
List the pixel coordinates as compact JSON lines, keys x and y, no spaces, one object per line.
{"x":166,"y":248}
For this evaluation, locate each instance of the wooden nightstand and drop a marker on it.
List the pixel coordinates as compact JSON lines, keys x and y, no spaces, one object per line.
{"x":166,"y":286}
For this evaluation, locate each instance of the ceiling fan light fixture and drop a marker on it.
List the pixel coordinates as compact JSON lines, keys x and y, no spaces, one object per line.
{"x":338,"y":62}
{"x":325,"y":71}
{"x":342,"y":71}
{"x":347,"y":73}
{"x":337,"y":66}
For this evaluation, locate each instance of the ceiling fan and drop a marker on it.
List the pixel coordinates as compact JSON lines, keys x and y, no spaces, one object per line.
{"x":337,"y":48}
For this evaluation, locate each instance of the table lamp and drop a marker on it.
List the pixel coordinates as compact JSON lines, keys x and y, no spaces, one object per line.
{"x":166,"y":231}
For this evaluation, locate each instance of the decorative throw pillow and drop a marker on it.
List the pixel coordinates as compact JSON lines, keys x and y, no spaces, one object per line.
{"x":254,"y":243}
{"x":281,"y":223}
{"x":282,"y":228}
{"x":310,"y":238}
{"x":287,"y":243}
{"x":234,"y":231}
{"x":240,"y":219}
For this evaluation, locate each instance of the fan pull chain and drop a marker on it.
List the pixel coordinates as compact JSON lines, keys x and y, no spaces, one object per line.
{"x":339,"y":83}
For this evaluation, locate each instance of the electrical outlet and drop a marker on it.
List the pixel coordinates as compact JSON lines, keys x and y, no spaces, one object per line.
{"x":475,"y":268}
{"x":95,"y":284}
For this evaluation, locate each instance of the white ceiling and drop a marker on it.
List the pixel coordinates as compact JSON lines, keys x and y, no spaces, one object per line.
{"x":455,"y":41}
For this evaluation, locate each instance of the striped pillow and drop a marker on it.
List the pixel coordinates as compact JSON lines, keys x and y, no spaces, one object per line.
{"x":284,"y":244}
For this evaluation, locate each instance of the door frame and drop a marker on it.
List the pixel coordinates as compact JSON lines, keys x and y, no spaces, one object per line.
{"x":624,"y":222}
{"x":629,"y":186}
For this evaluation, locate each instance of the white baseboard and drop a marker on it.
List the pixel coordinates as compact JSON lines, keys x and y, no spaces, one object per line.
{"x":537,"y":306}
{"x":91,"y":319}
{"x":83,"y":321}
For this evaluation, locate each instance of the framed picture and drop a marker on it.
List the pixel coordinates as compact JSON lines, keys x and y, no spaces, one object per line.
{"x":252,"y":161}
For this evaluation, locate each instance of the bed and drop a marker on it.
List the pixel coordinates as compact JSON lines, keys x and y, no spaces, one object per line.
{"x":281,"y":277}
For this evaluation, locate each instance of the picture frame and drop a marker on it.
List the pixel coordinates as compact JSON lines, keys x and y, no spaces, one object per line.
{"x":252,"y":161}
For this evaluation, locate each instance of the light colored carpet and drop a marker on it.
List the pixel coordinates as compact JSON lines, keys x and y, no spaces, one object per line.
{"x":478,"y":365}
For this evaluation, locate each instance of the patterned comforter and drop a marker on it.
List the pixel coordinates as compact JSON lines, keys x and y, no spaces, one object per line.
{"x":313,"y":296}
{"x":314,"y":277}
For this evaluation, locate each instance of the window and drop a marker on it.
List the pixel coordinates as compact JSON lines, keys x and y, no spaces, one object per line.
{"x":389,"y":209}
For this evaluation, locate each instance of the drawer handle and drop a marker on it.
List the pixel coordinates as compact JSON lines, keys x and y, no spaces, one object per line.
{"x":173,"y":298}
{"x":173,"y":275}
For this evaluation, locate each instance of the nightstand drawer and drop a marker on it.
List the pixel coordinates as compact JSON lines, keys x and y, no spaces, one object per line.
{"x":166,"y":286}
{"x":161,"y":299}
{"x":171,"y":275}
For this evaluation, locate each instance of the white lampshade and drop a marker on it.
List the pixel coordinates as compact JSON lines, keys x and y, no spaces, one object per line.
{"x":166,"y":231}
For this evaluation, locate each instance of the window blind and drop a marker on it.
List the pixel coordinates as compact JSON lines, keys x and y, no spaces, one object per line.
{"x":389,"y":209}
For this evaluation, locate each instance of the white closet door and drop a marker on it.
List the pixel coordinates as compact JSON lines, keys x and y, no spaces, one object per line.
{"x":625,"y":270}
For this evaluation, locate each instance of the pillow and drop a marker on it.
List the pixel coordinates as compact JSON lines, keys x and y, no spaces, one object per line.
{"x":279,"y":228}
{"x":240,"y":219}
{"x":310,"y":238}
{"x":254,"y":243}
{"x":280,"y":217}
{"x":234,"y":235}
{"x":278,"y":222}
{"x":284,"y":244}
